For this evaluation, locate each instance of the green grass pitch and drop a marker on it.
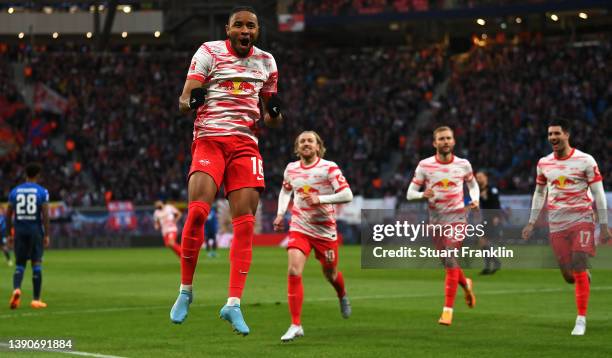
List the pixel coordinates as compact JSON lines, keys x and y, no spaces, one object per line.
{"x":117,"y":302}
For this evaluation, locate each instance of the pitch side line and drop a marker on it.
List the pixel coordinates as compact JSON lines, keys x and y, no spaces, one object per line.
{"x":320,"y":299}
{"x":76,"y":353}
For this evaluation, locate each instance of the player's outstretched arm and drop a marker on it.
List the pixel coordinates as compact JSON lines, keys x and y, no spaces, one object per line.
{"x":284,"y":197}
{"x":602,"y":209}
{"x":189,"y":99}
{"x":537,"y":203}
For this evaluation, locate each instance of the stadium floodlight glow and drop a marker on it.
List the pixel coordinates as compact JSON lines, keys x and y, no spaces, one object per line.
{"x":11,"y":10}
{"x":484,"y":36}
{"x":124,"y":34}
{"x":21,"y":35}
{"x":127,"y":9}
{"x":503,"y":25}
{"x":583,"y":15}
{"x":157,"y":34}
{"x":518,"y":20}
{"x":55,"y":35}
{"x":481,"y":22}
{"x":554,"y":17}
{"x":100,"y":8}
{"x":88,"y":34}
{"x":48,"y":10}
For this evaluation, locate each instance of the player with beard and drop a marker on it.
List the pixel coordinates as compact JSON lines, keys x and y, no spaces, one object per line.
{"x":443,"y":176}
{"x":227,"y":83}
{"x":571,"y":179}
{"x":316,"y":184}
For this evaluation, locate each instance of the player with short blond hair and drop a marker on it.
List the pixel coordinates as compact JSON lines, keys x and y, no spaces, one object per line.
{"x":443,"y":176}
{"x":316,"y":184}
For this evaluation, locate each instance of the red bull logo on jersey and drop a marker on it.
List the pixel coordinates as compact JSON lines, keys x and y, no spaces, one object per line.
{"x":237,"y":87}
{"x":445,"y":184}
{"x":562,"y":181}
{"x":307,"y":189}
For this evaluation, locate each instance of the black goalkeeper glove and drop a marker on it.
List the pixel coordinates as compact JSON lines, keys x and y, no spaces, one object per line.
{"x":274,"y":106}
{"x":197,"y":98}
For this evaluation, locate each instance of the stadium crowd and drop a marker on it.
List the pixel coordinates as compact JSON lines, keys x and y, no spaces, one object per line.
{"x":121,"y":136}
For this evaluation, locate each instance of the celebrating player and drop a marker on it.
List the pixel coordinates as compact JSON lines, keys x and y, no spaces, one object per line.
{"x":165,"y":218}
{"x":566,"y":175}
{"x":226,"y":82}
{"x":317,"y":184}
{"x":443,"y":176}
{"x":491,"y":210}
{"x":29,"y":203}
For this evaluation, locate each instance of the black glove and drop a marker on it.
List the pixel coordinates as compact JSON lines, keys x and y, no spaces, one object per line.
{"x":274,"y":106}
{"x":197,"y":98}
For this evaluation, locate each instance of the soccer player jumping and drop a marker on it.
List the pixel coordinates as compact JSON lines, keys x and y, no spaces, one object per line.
{"x":566,"y":175}
{"x":317,"y":184}
{"x":443,"y":176}
{"x":226,"y":82}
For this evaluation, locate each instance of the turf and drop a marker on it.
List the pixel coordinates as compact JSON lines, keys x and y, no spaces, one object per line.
{"x":117,"y":302}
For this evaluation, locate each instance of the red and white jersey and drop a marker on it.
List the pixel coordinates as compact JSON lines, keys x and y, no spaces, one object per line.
{"x":166,"y":218}
{"x":446,"y":180}
{"x":567,"y":180}
{"x":323,"y":178}
{"x":233,"y":87}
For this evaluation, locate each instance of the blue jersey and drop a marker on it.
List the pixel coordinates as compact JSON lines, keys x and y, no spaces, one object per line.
{"x":211,"y":223}
{"x":3,"y":232}
{"x":27,"y":200}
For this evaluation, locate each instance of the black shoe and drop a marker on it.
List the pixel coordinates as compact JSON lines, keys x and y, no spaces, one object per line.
{"x":486,"y":272}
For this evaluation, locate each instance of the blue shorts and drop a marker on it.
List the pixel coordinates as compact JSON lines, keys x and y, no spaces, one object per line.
{"x":28,"y":246}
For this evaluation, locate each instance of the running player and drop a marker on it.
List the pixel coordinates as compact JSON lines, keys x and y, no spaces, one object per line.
{"x":29,"y":204}
{"x":491,"y":214}
{"x":226,"y":83}
{"x":317,"y":184}
{"x":166,"y":217}
{"x":443,"y":176}
{"x":566,"y":175}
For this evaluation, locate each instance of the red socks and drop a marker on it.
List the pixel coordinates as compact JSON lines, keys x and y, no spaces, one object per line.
{"x":339,"y":285}
{"x":192,"y":240}
{"x":177,"y":249}
{"x":450,"y":289}
{"x":461,"y":277}
{"x":582,"y":288}
{"x":241,"y":253}
{"x":295,"y":297}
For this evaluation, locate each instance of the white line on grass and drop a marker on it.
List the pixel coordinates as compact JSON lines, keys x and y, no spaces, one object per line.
{"x":319,"y":299}
{"x":76,"y":353}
